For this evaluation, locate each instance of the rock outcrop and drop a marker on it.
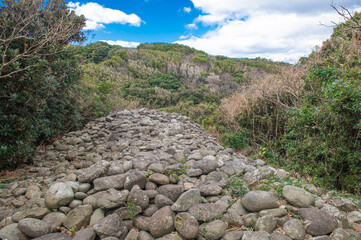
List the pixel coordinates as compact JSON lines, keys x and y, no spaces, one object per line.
{"x":145,"y":174}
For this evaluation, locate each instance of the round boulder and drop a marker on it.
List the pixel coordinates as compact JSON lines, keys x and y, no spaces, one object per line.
{"x":255,"y":201}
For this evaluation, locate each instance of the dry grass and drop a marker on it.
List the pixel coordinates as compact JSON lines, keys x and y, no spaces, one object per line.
{"x":268,"y":89}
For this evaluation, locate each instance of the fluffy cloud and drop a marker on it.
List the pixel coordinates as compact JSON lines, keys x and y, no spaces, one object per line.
{"x":277,"y":29}
{"x":122,"y":43}
{"x":187,"y":9}
{"x":97,"y":15}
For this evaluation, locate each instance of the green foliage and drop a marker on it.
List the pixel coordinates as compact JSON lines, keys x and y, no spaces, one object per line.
{"x":237,"y":186}
{"x":166,"y":47}
{"x":37,"y":99}
{"x":165,"y":81}
{"x":324,"y":133}
{"x":96,"y":52}
{"x":237,"y":140}
{"x":201,"y":58}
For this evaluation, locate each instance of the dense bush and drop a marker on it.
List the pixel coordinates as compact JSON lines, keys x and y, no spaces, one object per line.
{"x":324,"y":132}
{"x":37,"y":75}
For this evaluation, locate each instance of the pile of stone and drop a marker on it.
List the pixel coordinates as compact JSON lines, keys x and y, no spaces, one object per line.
{"x":149,"y":175}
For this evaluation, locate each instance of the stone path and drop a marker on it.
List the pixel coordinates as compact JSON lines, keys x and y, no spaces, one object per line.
{"x":149,"y":175}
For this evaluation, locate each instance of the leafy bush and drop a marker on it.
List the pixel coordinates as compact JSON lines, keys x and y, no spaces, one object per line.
{"x":324,"y":133}
{"x":38,"y":75}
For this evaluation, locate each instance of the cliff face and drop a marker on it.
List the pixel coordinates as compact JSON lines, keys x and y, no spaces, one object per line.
{"x":145,"y":174}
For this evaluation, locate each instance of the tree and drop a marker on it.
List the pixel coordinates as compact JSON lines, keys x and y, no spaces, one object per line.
{"x":37,"y":74}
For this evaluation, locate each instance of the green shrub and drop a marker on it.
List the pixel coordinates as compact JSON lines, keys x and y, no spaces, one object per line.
{"x":37,"y":76}
{"x":324,"y":133}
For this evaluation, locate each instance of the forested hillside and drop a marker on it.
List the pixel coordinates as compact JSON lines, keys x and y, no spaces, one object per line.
{"x":161,"y":75}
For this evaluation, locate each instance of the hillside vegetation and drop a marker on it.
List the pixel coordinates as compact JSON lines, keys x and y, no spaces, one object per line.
{"x":161,"y":75}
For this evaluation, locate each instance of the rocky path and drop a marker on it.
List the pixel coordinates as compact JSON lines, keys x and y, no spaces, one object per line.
{"x":149,"y":175}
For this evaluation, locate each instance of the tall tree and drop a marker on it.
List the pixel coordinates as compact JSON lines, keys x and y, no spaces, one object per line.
{"x":37,"y":74}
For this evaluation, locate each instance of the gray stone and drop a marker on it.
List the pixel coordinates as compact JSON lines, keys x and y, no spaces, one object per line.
{"x":345,"y":234}
{"x":33,"y":228}
{"x":93,"y":199}
{"x":97,"y":215}
{"x":161,"y":223}
{"x":194,"y":172}
{"x":210,"y":190}
{"x":31,"y":190}
{"x":354,"y":216}
{"x":276,"y":212}
{"x":93,"y":172}
{"x":84,"y":187}
{"x":294,"y":229}
{"x":261,"y":235}
{"x":10,"y":232}
{"x":128,"y":212}
{"x":320,"y":222}
{"x":187,"y":225}
{"x":54,"y":236}
{"x":75,"y":203}
{"x":139,"y":198}
{"x":59,"y":194}
{"x":142,"y":223}
{"x":115,"y":181}
{"x":232,"y":219}
{"x":150,"y":210}
{"x":115,"y":168}
{"x":80,"y":195}
{"x":344,"y":204}
{"x":213,"y":230}
{"x":132,"y":235}
{"x":266,"y":223}
{"x":161,"y":201}
{"x":135,"y":178}
{"x":85,"y":234}
{"x":279,"y":236}
{"x":233,"y":235}
{"x":143,"y":235}
{"x":187,"y":200}
{"x":205,"y":166}
{"x":237,"y":208}
{"x":159,"y":178}
{"x":171,"y":191}
{"x":151,"y":193}
{"x":111,"y":226}
{"x":112,"y":198}
{"x":79,"y":217}
{"x":298,"y":196}
{"x":207,"y":211}
{"x":55,"y":219}
{"x":256,"y":201}
{"x":36,"y":212}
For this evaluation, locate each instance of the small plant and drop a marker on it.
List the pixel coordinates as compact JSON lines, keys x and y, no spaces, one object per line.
{"x":73,"y":230}
{"x":236,"y":185}
{"x":148,"y":174}
{"x":204,"y":232}
{"x":179,"y":221}
{"x":294,"y":214}
{"x":182,"y":169}
{"x":131,"y":211}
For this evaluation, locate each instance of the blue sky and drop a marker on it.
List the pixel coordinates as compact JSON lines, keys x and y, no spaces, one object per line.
{"x":281,"y":30}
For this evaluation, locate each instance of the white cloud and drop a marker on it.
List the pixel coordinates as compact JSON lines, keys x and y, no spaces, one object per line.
{"x":277,"y":29}
{"x":122,"y":43}
{"x":192,"y":26}
{"x":187,"y":9}
{"x":97,"y":15}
